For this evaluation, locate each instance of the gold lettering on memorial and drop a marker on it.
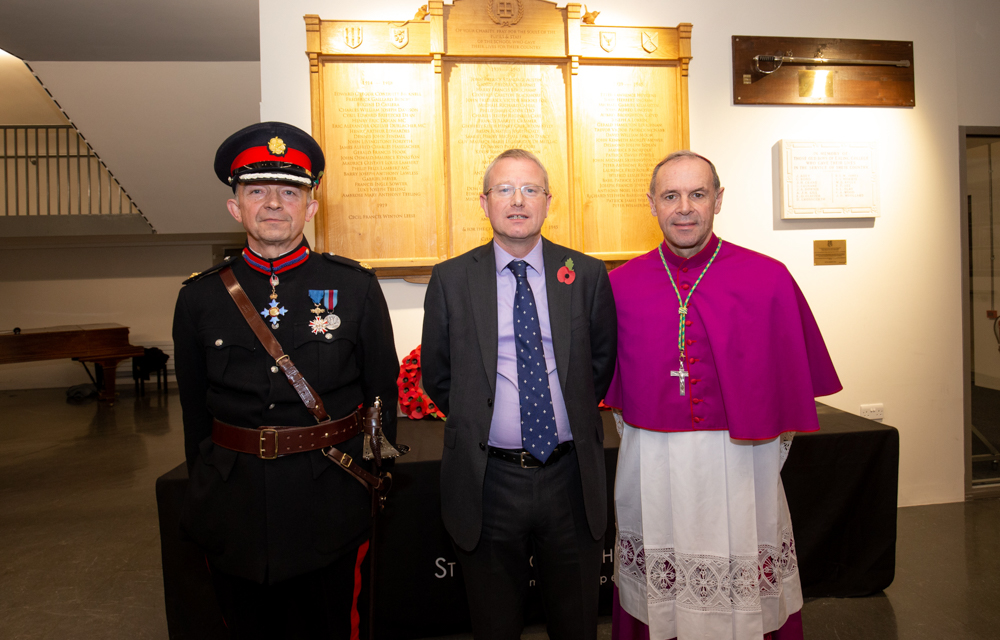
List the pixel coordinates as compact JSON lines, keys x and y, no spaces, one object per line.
{"x":378,"y":142}
{"x":623,"y":134}
{"x":381,"y":149}
{"x":498,"y":107}
{"x":522,"y":40}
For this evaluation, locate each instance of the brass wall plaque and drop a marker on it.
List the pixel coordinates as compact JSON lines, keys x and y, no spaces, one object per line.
{"x":410,"y":113}
{"x":829,"y":252}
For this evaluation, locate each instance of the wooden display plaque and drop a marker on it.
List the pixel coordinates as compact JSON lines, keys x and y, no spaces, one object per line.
{"x":800,"y":83}
{"x":410,"y":113}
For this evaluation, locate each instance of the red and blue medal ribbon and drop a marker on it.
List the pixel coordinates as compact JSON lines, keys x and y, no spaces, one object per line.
{"x":274,"y":310}
{"x":325,"y":301}
{"x":280,"y":265}
{"x":324,"y":298}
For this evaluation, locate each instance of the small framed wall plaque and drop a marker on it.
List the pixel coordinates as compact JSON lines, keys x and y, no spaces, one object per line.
{"x":829,"y":252}
{"x":829,"y":180}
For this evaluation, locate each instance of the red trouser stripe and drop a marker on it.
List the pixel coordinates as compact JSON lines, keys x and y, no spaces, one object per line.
{"x":355,"y":616}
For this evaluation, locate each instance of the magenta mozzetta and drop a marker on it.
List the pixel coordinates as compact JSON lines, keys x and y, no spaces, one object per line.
{"x":765,"y":351}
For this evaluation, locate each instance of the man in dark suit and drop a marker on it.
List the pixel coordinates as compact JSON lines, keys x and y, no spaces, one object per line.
{"x":284,"y":527}
{"x":519,"y":346}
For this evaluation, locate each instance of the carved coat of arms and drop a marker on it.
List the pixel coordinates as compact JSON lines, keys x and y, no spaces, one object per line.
{"x":400,"y":36}
{"x":608,"y":40}
{"x":650,"y":41}
{"x":505,"y":13}
{"x":353,"y":36}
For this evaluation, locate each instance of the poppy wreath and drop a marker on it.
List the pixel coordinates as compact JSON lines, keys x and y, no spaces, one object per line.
{"x":412,"y":399}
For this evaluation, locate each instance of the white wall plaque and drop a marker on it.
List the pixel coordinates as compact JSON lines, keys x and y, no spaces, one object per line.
{"x":829,"y":180}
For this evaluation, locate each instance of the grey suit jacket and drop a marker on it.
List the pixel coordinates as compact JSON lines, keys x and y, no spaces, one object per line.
{"x":459,"y":368}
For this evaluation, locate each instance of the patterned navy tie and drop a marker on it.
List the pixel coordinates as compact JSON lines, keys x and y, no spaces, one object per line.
{"x":538,"y":420}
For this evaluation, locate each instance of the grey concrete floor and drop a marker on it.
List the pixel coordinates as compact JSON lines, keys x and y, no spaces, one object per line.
{"x":81,"y":554}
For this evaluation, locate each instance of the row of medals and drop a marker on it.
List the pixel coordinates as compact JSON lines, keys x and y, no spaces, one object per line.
{"x":320,"y":324}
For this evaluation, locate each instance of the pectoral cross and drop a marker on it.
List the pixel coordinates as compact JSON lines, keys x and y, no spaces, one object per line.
{"x":680,"y":374}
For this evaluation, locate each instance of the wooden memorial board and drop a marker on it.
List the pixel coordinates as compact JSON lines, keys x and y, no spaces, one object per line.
{"x":410,"y":113}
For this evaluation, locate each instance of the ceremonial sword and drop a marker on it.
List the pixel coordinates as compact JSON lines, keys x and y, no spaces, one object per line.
{"x":777,"y":61}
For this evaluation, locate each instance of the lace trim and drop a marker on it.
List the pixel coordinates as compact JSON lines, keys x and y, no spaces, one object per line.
{"x":786,"y":446}
{"x":707,"y":582}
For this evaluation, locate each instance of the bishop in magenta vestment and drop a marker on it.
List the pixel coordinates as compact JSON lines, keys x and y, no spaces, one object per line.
{"x":755,"y":361}
{"x":705,"y":546}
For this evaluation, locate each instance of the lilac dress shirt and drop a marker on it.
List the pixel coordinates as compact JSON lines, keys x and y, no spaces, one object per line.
{"x":505,"y":428}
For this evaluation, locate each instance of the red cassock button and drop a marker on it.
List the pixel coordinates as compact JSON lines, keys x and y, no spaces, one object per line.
{"x":684,"y":269}
{"x":687,"y":323}
{"x":695,"y":380}
{"x":692,"y":360}
{"x":690,"y":342}
{"x":697,"y":419}
{"x":696,"y":400}
{"x":685,"y":286}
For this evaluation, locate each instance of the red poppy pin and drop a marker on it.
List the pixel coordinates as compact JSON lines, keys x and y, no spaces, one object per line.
{"x":566,"y":273}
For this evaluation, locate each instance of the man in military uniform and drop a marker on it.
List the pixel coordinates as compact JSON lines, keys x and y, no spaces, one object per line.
{"x":285,"y":528}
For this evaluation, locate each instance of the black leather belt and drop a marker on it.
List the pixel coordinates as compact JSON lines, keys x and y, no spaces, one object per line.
{"x":528,"y":461}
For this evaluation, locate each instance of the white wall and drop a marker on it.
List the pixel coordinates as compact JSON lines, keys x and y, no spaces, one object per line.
{"x":892,"y":315}
{"x":24,"y":101}
{"x":977,"y":36}
{"x":157,"y":125}
{"x":132,"y":282}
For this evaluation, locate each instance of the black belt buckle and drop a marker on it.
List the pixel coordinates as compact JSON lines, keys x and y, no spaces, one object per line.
{"x":524,"y":455}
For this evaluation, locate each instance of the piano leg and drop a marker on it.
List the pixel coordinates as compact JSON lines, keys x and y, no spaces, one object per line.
{"x":106,"y":390}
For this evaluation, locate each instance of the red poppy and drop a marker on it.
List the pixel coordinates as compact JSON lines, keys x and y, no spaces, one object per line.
{"x":566,"y":275}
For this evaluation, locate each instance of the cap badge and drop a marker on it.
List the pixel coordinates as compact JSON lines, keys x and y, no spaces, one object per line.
{"x":276,"y":146}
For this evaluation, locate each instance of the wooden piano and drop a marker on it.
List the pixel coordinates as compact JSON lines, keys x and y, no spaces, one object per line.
{"x":103,"y":344}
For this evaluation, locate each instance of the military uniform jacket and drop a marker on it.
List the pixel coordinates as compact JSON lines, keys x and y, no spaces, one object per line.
{"x":269,"y":520}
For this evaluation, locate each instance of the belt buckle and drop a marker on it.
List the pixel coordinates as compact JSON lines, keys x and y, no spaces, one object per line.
{"x":534,"y":466}
{"x":263,"y":441}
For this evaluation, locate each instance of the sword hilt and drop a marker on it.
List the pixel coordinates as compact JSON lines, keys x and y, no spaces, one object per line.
{"x":775,"y":60}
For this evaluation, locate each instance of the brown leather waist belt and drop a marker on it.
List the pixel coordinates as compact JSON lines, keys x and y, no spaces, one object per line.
{"x":268,"y":443}
{"x":528,"y":461}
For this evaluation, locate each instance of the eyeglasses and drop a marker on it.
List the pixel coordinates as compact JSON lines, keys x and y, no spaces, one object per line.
{"x":528,"y":191}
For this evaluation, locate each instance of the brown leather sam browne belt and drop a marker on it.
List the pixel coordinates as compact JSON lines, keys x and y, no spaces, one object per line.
{"x":267,"y":443}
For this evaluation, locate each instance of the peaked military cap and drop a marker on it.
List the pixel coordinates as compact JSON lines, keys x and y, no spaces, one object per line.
{"x":270,"y":152}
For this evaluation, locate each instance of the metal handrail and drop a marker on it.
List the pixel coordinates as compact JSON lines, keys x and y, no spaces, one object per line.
{"x":73,"y":181}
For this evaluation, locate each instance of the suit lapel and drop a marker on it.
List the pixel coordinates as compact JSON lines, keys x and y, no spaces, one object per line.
{"x":483,"y":293}
{"x":559,"y":295}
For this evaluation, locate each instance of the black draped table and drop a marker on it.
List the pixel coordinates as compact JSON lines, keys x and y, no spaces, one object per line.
{"x":841,"y":487}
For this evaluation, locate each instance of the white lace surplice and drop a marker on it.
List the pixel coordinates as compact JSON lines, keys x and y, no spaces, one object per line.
{"x":705,"y":546}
